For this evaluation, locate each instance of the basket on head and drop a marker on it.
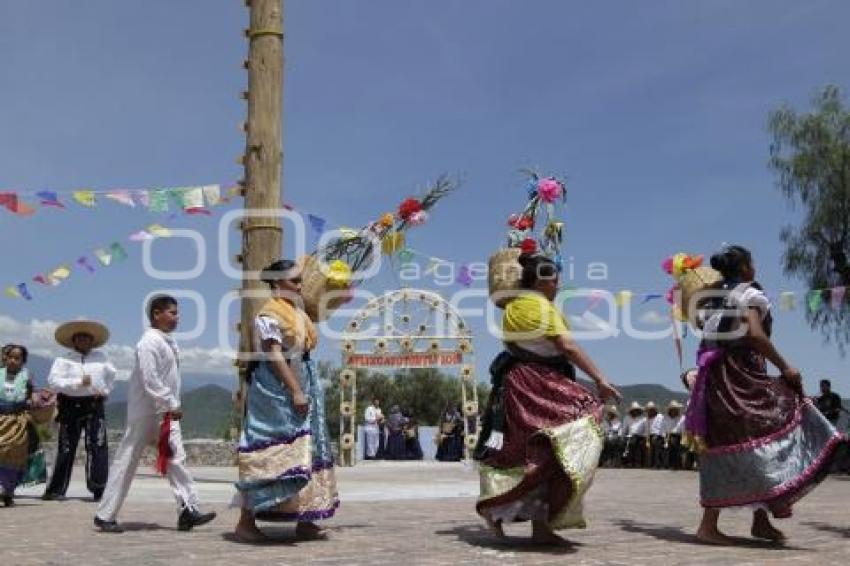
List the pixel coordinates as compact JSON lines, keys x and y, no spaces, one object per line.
{"x":314,"y":287}
{"x":693,"y":282}
{"x":503,"y":275}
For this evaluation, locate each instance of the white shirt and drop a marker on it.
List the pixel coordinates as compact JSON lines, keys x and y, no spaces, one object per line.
{"x":67,"y":371}
{"x":155,"y":381}
{"x":635,"y":427}
{"x":655,"y":424}
{"x":371,"y":416}
{"x":672,"y":425}
{"x":612,"y":427}
{"x":742,"y":297}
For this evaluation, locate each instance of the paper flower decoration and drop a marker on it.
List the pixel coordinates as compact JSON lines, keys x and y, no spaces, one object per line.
{"x":418,"y":218}
{"x":339,"y":274}
{"x":408,"y":208}
{"x":387,"y":220}
{"x":528,"y":246}
{"x":678,"y":264}
{"x":549,"y":190}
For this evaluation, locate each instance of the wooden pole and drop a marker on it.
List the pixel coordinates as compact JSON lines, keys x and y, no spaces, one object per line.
{"x":263,"y":159}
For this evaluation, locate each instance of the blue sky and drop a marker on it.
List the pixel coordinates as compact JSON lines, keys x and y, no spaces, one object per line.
{"x":655,"y":112}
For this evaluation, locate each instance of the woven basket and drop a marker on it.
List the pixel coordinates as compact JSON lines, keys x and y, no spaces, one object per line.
{"x":503,"y":275}
{"x":314,"y":286}
{"x":692,"y":283}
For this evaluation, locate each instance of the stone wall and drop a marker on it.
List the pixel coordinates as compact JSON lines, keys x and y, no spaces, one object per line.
{"x":198,"y":452}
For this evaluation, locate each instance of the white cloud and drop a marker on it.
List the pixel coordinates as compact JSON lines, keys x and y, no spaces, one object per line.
{"x":655,"y":318}
{"x":37,"y":336}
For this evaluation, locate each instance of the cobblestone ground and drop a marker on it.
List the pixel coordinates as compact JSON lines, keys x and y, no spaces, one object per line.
{"x":422,"y":514}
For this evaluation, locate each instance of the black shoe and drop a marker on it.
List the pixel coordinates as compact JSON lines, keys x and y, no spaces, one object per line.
{"x":190,"y":518}
{"x":53,"y":496}
{"x":107,"y":526}
{"x":8,"y":501}
{"x":97,"y":496}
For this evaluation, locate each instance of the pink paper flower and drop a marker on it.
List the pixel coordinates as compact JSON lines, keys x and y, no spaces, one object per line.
{"x":667,"y":266}
{"x":418,"y":218}
{"x":512,"y":220}
{"x":549,"y":190}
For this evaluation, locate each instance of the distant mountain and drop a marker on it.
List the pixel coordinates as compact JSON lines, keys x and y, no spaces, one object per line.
{"x":206,"y":412}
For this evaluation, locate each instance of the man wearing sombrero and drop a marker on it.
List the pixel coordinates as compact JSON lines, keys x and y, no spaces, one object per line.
{"x":82,"y":378}
{"x":672,"y":426}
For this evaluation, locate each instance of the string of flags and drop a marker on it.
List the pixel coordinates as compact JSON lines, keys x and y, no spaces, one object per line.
{"x":104,"y":256}
{"x":191,"y":200}
{"x":199,"y":199}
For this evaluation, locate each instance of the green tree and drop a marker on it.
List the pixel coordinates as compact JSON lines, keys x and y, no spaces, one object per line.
{"x":811,"y":154}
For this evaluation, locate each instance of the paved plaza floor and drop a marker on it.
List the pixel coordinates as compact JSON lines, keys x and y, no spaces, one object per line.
{"x":420,"y":513}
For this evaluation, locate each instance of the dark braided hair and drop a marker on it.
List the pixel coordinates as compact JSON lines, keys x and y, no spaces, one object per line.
{"x":731,"y":262}
{"x":282,"y":269}
{"x":536,"y":268}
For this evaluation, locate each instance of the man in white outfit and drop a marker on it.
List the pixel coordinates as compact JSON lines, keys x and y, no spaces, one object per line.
{"x":153,"y":402}
{"x":373,"y":418}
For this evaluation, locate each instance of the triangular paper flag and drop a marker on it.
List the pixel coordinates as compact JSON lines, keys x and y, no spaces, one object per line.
{"x":623,"y":298}
{"x":651,"y":297}
{"x":84,"y":263}
{"x":405,"y":256}
{"x":141,"y":236}
{"x":177,"y":195}
{"x":814,"y":300}
{"x":317,"y":224}
{"x":22,"y":289}
{"x":12,"y":291}
{"x":234,"y":191}
{"x":158,"y":201}
{"x":192,"y":198}
{"x":463,"y":276}
{"x":41,"y":279}
{"x":118,"y":251}
{"x":159,"y":231}
{"x":103,"y":256}
{"x":143,"y":197}
{"x":85,"y":197}
{"x":122,"y":196}
{"x":59,"y":274}
{"x":787,"y":301}
{"x":12,"y":203}
{"x":212,"y":194}
{"x":49,"y":198}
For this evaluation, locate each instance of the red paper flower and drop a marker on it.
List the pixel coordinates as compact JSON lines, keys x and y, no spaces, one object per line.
{"x":525,"y":223}
{"x":408,"y":208}
{"x":528,"y":246}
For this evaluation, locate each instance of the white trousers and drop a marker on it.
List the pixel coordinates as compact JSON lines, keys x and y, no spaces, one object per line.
{"x":139,"y":435}
{"x":373,"y":438}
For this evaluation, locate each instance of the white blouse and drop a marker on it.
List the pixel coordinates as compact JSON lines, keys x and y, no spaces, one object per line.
{"x":742,"y":297}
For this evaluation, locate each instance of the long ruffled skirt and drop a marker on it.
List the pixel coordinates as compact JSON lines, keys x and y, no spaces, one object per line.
{"x":767,"y":446}
{"x":285,"y":460}
{"x":552,"y":444}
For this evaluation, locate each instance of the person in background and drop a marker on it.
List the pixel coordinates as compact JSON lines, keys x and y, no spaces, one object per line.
{"x":671,"y":430}
{"x":82,"y":379}
{"x":634,"y":437}
{"x":450,"y":436}
{"x":829,"y":402}
{"x":396,"y":449}
{"x":655,"y":447}
{"x":372,"y":431}
{"x":612,"y":427}
{"x":412,"y":447}
{"x":16,"y":392}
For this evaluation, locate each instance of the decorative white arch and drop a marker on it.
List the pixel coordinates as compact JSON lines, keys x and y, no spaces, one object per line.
{"x":403,"y":329}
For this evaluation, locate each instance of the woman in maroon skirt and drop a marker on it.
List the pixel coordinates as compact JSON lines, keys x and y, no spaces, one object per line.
{"x":541,"y":435}
{"x":762,"y":444}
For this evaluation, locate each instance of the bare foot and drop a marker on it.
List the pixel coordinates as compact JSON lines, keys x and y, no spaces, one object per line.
{"x":495,"y":527}
{"x":764,"y":530}
{"x":541,"y":533}
{"x":249,"y":534}
{"x":714,"y":536}
{"x":310,"y":531}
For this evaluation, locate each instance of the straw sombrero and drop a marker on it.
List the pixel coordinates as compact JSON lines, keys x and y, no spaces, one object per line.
{"x":96,"y":330}
{"x":612,"y":410}
{"x":635,"y":406}
{"x":674,"y":405}
{"x":651,"y":405}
